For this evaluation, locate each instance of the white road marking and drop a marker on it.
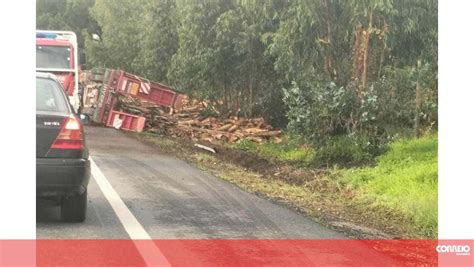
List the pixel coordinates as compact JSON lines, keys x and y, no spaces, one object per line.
{"x":150,"y":252}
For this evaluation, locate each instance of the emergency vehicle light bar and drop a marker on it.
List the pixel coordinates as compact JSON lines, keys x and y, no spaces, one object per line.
{"x":57,"y":35}
{"x":46,"y":35}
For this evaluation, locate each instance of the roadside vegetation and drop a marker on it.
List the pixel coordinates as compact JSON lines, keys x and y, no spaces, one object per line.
{"x":394,"y":196}
{"x":404,"y":179}
{"x":337,"y":151}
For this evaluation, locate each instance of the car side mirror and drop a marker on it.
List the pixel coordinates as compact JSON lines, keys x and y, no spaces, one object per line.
{"x":84,"y":118}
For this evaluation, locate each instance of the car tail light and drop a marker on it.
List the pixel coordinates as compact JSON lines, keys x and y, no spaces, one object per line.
{"x":71,"y":135}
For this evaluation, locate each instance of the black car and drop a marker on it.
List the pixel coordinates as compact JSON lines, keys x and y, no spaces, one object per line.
{"x":62,"y":158}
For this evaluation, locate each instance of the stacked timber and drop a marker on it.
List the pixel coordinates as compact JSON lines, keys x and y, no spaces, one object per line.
{"x":197,"y":120}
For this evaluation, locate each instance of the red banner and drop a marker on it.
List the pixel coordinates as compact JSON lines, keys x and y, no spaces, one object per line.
{"x":236,"y":253}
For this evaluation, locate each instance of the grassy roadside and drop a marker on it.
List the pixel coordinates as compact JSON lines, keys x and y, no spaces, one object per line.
{"x":402,"y":183}
{"x":405,"y":179}
{"x":370,"y":202}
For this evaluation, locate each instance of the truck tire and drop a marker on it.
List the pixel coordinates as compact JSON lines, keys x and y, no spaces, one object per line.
{"x":73,"y":209}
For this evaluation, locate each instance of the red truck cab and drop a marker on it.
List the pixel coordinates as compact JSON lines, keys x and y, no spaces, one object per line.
{"x":56,"y":53}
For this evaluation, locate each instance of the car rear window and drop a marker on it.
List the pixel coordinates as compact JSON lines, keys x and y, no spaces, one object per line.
{"x":49,"y":96}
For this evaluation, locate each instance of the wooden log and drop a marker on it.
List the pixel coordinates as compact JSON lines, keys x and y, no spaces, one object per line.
{"x":233,"y":138}
{"x":233,"y":128}
{"x":225,"y":127}
{"x":278,"y":140}
{"x":254,"y":130}
{"x":258,"y":140}
{"x":267,"y":134}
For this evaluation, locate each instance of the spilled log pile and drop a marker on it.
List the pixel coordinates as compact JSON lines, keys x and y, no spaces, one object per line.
{"x":193,"y":121}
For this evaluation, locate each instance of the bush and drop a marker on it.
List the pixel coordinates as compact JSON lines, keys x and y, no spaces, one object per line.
{"x":344,"y":150}
{"x":341,"y":120}
{"x":318,"y":110}
{"x":340,"y":150}
{"x":246,"y":145}
{"x":291,"y":149}
{"x":344,"y":127}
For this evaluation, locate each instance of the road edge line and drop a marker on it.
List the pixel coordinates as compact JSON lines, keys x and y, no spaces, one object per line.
{"x":150,"y":253}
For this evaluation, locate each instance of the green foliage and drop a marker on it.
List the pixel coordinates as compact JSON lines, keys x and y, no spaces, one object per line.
{"x":326,"y":70}
{"x":318,"y":110}
{"x":158,"y":37}
{"x":344,"y":150}
{"x":246,"y":145}
{"x":405,"y":179}
{"x":70,"y":15}
{"x":323,"y":112}
{"x":208,"y":112}
{"x":339,"y":150}
{"x":350,"y":73}
{"x":221,"y":57}
{"x":137,"y":36}
{"x":288,"y":151}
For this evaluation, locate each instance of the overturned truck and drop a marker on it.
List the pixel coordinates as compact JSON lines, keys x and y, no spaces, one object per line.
{"x":103,"y":88}
{"x":118,"y":99}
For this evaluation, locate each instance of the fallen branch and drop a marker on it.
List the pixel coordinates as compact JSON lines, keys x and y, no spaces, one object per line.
{"x":210,"y":149}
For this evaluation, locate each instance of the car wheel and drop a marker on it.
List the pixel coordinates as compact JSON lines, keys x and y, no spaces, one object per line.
{"x":73,"y":209}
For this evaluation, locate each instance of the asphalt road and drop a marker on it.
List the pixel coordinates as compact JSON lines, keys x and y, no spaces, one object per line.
{"x":139,"y":194}
{"x":170,"y":200}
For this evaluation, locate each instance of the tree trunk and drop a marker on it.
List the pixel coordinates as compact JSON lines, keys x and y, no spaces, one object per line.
{"x":382,"y":59}
{"x":253,"y":83}
{"x":250,"y":100}
{"x":382,"y":55}
{"x":226,"y":96}
{"x":238,"y":94}
{"x":366,"y":51}
{"x":357,"y":54}
{"x":416,"y":126}
{"x":331,"y":68}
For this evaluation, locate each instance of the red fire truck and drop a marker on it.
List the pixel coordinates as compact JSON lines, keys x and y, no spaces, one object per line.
{"x":57,"y":53}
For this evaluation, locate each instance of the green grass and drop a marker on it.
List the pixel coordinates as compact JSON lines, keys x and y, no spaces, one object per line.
{"x":405,"y":179}
{"x":285,"y":151}
{"x":340,"y":150}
